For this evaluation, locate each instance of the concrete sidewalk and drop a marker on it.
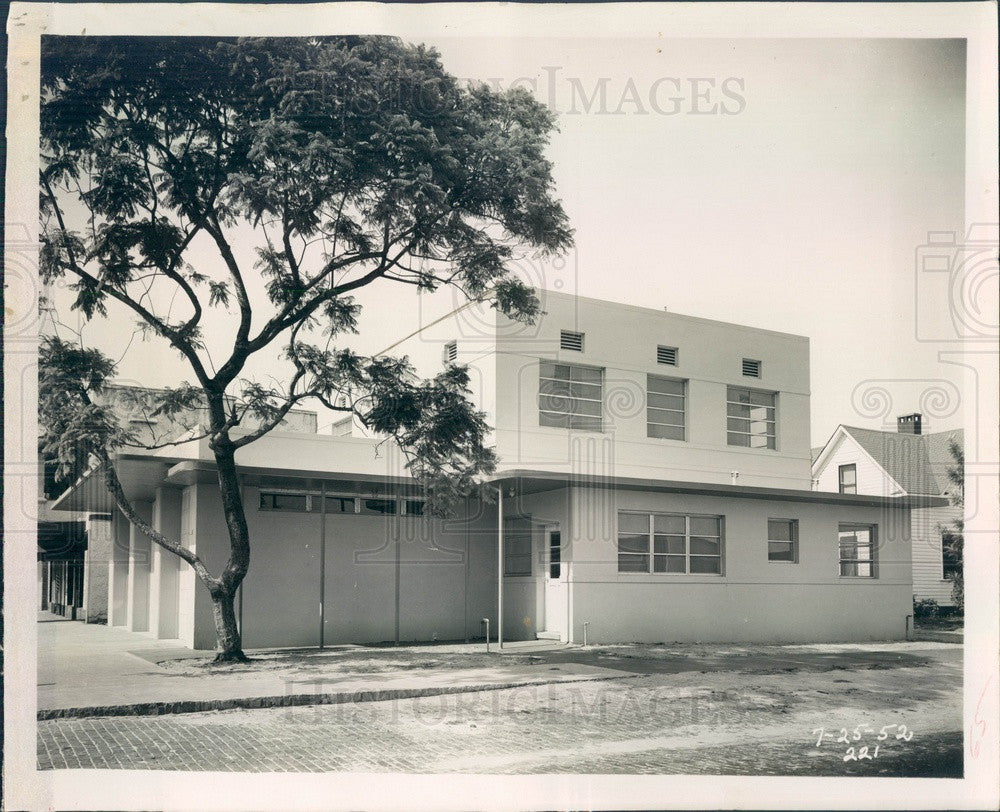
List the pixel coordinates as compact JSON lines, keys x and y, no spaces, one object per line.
{"x":91,"y":670}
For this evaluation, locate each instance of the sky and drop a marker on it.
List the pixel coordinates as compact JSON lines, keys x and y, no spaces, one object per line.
{"x":782,"y":184}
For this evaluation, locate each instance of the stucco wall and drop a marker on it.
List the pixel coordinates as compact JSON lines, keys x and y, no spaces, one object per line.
{"x":445,"y":570}
{"x":622,"y":340}
{"x":755,"y":599}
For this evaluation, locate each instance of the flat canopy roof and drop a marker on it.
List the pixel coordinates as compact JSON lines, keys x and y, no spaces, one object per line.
{"x":529,"y":481}
{"x":140,"y":476}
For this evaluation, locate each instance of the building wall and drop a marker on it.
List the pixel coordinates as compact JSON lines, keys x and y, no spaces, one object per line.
{"x":440,"y":570}
{"x":925,"y":522}
{"x":871,"y":478}
{"x":710,"y":355}
{"x":503,"y":361}
{"x":928,"y":580}
{"x":755,"y":600}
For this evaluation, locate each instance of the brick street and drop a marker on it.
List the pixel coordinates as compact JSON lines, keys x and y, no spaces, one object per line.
{"x":732,"y":723}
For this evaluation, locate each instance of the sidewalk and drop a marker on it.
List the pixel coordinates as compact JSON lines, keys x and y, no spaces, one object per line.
{"x":91,"y":670}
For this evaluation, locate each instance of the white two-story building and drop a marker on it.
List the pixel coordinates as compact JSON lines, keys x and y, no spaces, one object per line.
{"x":654,"y":484}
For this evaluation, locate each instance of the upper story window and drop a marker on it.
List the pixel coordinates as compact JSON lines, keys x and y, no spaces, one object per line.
{"x":450,"y":352}
{"x":670,"y":543}
{"x":751,"y":368}
{"x":847,"y":476}
{"x":750,"y":418}
{"x":570,"y":396}
{"x":665,"y":412}
{"x":783,"y":540}
{"x":568,"y":340}
{"x":666,"y":355}
{"x":858,"y":550}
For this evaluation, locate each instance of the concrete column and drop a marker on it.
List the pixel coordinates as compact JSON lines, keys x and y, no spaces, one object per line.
{"x":165,"y":574}
{"x":138,"y":573}
{"x":203,"y":530}
{"x":118,"y":567}
{"x":100,"y":535}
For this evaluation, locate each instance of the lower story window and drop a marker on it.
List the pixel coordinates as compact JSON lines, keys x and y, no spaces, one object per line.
{"x":670,"y":543}
{"x":783,"y":540}
{"x":377,"y":506}
{"x":858,"y":549}
{"x":951,"y":558}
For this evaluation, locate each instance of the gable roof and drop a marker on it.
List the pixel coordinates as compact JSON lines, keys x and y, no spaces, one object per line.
{"x":918,"y":462}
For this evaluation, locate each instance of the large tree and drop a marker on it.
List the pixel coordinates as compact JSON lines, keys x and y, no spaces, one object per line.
{"x":345,"y":162}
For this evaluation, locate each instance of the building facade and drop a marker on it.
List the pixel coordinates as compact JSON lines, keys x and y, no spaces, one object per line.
{"x":654,"y":485}
{"x":907,"y":462}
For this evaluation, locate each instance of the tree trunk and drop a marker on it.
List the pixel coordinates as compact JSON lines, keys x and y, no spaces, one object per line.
{"x":229,"y":642}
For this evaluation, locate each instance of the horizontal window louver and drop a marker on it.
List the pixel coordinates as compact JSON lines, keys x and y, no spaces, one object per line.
{"x":568,"y":340}
{"x":751,"y":368}
{"x":450,"y":352}
{"x":666,"y":355}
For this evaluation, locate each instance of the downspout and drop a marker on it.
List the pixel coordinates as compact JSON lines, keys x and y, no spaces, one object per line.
{"x":322,"y":564}
{"x":500,"y":568}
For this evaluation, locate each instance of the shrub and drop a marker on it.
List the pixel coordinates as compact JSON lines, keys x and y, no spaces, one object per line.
{"x":925,"y":608}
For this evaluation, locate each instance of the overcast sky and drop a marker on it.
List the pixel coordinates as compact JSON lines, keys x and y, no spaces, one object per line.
{"x":783,"y":184}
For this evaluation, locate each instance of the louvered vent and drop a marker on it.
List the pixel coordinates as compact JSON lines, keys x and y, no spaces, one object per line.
{"x":751,"y":368}
{"x":450,"y":352}
{"x":666,"y":355}
{"x":569,"y":340}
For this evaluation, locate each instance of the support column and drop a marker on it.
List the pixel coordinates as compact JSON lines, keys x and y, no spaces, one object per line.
{"x":118,"y":568}
{"x":165,"y":575}
{"x":138,"y":573}
{"x":96,"y":589}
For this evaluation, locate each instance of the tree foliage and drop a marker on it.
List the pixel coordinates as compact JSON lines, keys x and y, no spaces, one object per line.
{"x":343,"y":162}
{"x":953,"y":536}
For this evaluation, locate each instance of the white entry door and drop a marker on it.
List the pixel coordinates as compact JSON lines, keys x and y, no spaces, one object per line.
{"x":556,"y":600}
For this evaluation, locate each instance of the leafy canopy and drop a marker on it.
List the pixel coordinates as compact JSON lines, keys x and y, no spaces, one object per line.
{"x":351,"y":159}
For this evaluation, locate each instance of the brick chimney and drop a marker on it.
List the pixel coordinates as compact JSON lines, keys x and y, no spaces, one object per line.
{"x":908,"y":424}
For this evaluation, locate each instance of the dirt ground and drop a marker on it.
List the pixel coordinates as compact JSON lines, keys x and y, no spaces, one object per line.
{"x":891,"y":709}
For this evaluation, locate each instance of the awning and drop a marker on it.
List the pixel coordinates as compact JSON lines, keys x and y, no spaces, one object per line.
{"x":525,"y":481}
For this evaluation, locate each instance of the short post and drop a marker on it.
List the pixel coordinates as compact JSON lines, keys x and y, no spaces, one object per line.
{"x":908,"y":626}
{"x":486,"y":620}
{"x":585,"y":625}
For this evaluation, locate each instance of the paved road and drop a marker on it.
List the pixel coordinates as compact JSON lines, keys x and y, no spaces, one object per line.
{"x":737,"y":723}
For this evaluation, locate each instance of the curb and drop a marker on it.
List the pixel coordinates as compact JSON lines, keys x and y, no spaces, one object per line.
{"x":294,"y":700}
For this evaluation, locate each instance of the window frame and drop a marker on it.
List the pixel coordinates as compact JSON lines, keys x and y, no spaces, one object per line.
{"x":955,"y":568}
{"x":569,"y":398}
{"x":841,"y":470}
{"x":651,"y":555}
{"x":683,"y":410}
{"x":793,"y":541}
{"x":872,"y":546}
{"x":772,"y":436}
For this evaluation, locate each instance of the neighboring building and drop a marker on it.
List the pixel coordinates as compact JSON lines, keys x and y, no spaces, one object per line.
{"x":656,"y":486}
{"x":906,"y":462}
